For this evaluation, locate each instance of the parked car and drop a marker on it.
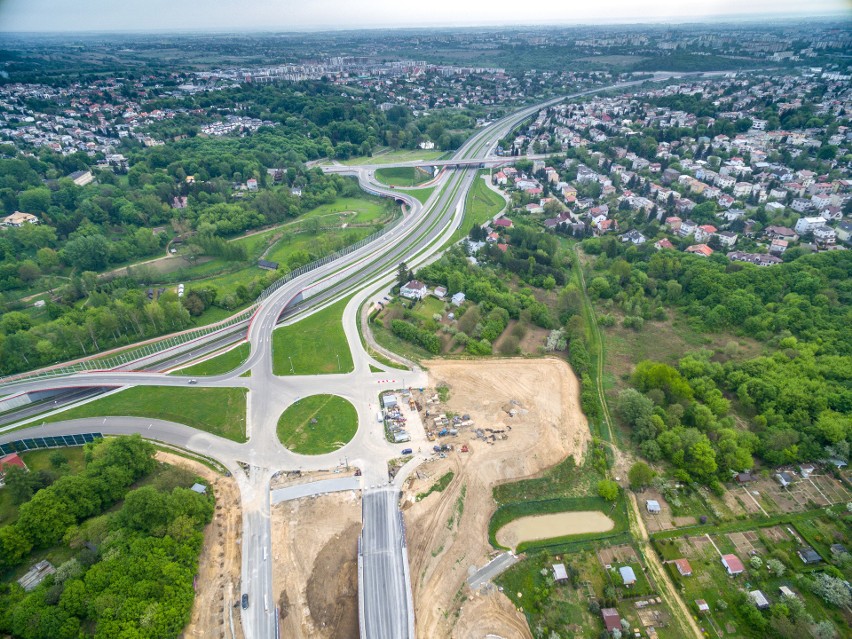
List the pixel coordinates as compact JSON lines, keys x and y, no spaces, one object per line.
{"x":407,"y":451}
{"x":245,"y":601}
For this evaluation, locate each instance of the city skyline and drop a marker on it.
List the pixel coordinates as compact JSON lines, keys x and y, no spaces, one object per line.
{"x":268,"y":15}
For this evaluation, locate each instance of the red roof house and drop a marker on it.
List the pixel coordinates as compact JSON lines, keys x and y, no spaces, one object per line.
{"x":732,"y":564}
{"x":9,"y":460}
{"x":611,"y":619}
{"x":683,"y":567}
{"x":503,"y":222}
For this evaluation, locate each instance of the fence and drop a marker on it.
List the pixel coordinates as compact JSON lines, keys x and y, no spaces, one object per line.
{"x":38,"y":443}
{"x":146,"y":351}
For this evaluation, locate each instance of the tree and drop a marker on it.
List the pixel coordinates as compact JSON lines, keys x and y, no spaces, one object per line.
{"x":608,"y":489}
{"x":87,"y":253}
{"x":640,"y":475}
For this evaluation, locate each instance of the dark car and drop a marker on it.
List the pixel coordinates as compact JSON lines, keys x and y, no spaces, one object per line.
{"x":245,"y":601}
{"x":407,"y":451}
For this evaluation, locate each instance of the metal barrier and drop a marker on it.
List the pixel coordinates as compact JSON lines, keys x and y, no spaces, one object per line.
{"x":39,"y":443}
{"x":146,"y":351}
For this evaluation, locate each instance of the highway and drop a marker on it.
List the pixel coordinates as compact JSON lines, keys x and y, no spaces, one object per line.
{"x":424,"y":230}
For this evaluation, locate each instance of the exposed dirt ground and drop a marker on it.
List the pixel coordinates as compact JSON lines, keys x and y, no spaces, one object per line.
{"x":315,"y":569}
{"x":219,"y":565}
{"x":447,"y":532}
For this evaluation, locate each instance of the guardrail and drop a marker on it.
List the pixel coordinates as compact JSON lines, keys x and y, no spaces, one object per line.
{"x":147,"y":351}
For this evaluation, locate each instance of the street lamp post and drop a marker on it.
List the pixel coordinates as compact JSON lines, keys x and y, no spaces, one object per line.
{"x":292,"y":371}
{"x":338,"y":362}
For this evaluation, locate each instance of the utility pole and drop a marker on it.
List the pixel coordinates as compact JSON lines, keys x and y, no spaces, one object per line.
{"x":338,"y":362}
{"x":292,"y":372}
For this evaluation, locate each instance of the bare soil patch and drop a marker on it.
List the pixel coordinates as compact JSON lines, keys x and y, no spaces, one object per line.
{"x":220,"y":562}
{"x":315,"y":565}
{"x":553,"y":525}
{"x":448,"y":531}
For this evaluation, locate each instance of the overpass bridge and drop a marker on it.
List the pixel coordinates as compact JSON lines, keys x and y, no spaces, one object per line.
{"x":490,"y":162}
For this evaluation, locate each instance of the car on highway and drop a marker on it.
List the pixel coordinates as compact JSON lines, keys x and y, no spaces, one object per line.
{"x":245,"y":601}
{"x":193,"y":381}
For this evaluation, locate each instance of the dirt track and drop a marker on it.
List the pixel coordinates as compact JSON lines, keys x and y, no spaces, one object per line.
{"x":219,"y":564}
{"x":448,"y":532}
{"x":315,"y":569}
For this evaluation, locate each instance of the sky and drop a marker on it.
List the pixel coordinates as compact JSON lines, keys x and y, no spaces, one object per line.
{"x":297,"y":15}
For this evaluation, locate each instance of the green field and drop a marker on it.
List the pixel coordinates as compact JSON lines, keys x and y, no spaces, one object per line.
{"x":403,"y":176}
{"x":220,"y":364}
{"x":481,"y":205}
{"x":220,"y":411}
{"x":317,"y":424}
{"x":387,"y":156}
{"x":349,"y":210}
{"x":421,"y":194}
{"x":315,"y":345}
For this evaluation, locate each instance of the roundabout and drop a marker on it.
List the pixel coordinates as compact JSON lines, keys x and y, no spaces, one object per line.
{"x":318,"y":424}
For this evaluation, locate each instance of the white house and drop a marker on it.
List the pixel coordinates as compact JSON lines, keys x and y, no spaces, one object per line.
{"x":808,"y":224}
{"x":458,"y":299}
{"x":414,"y":290}
{"x":18,"y":219}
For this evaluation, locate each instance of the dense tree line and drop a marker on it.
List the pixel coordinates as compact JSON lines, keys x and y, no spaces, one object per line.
{"x":132,"y":574}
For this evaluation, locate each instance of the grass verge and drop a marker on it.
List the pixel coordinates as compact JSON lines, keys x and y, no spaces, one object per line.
{"x":318,"y":424}
{"x":315,"y":345}
{"x":220,"y":411}
{"x":218,"y":365}
{"x":439,"y":486}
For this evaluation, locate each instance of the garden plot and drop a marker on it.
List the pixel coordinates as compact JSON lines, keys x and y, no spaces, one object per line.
{"x":617,"y":556}
{"x":656,"y":522}
{"x":746,"y":543}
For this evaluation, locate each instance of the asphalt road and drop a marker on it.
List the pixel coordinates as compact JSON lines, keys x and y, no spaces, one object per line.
{"x":387,"y":610}
{"x":384,"y":597}
{"x":492,"y":569}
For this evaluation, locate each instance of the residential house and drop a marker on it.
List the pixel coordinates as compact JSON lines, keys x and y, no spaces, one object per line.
{"x":727,"y":238}
{"x":12,"y":459}
{"x":732,"y":564}
{"x":704,"y":232}
{"x":663,"y":244}
{"x":759,"y":259}
{"x":18,"y":219}
{"x":808,"y":224}
{"x":825,"y":236}
{"x":81,"y":178}
{"x":414,"y":290}
{"x":687,"y":227}
{"x":440,"y":292}
{"x":844,"y":232}
{"x":634,"y":237}
{"x":503,"y":223}
{"x":777,"y":247}
{"x":683,"y":567}
{"x":700,"y":249}
{"x":251,"y":184}
{"x":781,"y":233}
{"x":458,"y":299}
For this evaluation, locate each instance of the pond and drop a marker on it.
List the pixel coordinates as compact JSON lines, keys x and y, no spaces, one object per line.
{"x":537,"y":527}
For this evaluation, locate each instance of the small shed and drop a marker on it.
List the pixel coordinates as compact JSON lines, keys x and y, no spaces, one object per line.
{"x":732,"y":564}
{"x":559,"y":572}
{"x":389,"y":401}
{"x":683,"y":567}
{"x":267,"y":265}
{"x":458,"y":299}
{"x":702,"y":605}
{"x":627,"y":575}
{"x":36,"y":575}
{"x":744,"y":478}
{"x":784,"y":478}
{"x":611,"y":619}
{"x":440,"y":292}
{"x":759,"y":599}
{"x":838,"y":548}
{"x":653,"y":506}
{"x":806,"y":470}
{"x":786,"y":591}
{"x":809,"y":555}
{"x":201,"y":489}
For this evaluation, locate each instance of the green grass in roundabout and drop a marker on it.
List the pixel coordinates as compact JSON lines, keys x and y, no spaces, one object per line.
{"x":318,"y":424}
{"x":220,"y":411}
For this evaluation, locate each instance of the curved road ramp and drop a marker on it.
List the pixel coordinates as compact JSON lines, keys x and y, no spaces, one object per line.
{"x":385,"y":607}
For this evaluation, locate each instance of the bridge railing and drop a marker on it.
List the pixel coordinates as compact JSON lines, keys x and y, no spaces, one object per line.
{"x":174,"y":343}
